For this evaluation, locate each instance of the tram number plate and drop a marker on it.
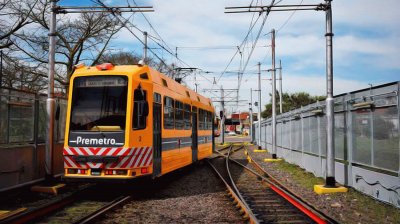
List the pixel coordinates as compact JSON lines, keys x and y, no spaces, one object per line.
{"x":96,"y":172}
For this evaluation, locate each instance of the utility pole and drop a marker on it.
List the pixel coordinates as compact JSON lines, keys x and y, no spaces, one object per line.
{"x":280,"y":87}
{"x":251,"y":115}
{"x":195,"y":82}
{"x":223,"y":116}
{"x":259,"y":105}
{"x":50,"y":102}
{"x":145,"y":48}
{"x":330,"y":116}
{"x":1,"y":68}
{"x":273,"y":95}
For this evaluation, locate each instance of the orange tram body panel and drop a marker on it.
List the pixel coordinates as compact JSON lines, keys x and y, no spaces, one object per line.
{"x":129,"y":121}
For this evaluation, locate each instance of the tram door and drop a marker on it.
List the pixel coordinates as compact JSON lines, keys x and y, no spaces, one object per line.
{"x":194,"y":134}
{"x":157,"y":135}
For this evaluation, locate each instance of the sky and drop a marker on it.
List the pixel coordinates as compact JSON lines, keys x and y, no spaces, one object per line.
{"x":366,"y":44}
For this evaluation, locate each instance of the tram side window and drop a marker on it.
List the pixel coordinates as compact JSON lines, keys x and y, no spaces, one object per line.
{"x":140,"y":108}
{"x":168,"y":113}
{"x":179,"y":115}
{"x":187,"y":117}
{"x":202,"y":119}
{"x":209,"y":120}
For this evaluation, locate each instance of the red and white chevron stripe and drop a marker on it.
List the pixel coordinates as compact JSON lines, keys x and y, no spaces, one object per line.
{"x":128,"y":157}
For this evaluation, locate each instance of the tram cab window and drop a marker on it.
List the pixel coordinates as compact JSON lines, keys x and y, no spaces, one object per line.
{"x":140,"y":108}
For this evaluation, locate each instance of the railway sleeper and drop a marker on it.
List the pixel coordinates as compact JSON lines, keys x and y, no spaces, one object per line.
{"x":298,"y":219}
{"x":269,"y":210}
{"x":282,"y":216}
{"x":264,"y":200}
{"x":273,"y":206}
{"x":263,"y":194}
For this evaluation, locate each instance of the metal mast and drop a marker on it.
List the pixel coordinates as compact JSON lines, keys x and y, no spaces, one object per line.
{"x":251,"y":115}
{"x":223,"y":116}
{"x":259,"y":105}
{"x":280,"y":87}
{"x":50,"y":102}
{"x":145,"y":48}
{"x":273,"y":96}
{"x":330,"y":116}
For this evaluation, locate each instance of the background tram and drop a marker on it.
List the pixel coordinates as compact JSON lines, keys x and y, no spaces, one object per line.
{"x":129,"y":121}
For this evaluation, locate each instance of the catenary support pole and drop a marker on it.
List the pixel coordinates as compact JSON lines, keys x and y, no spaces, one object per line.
{"x":330,"y":154}
{"x":223,"y":116}
{"x":259,"y":105}
{"x":1,"y":68}
{"x":145,"y":48}
{"x":251,"y":115}
{"x":50,"y":103}
{"x":280,"y":87}
{"x":273,"y":95}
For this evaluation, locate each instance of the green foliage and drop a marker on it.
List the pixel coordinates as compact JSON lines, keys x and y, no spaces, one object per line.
{"x":291,"y":101}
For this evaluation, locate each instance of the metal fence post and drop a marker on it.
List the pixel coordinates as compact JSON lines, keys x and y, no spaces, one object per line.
{"x":398,"y":119}
{"x":349,"y":137}
{"x":35,"y":134}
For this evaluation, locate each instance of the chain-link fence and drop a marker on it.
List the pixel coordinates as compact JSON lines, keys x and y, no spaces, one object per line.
{"x":367,"y":146}
{"x":23,"y":117}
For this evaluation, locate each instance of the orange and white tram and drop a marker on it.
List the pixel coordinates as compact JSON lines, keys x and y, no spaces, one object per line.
{"x":129,"y":121}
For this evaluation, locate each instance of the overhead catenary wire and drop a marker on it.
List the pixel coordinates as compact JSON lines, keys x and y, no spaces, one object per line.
{"x":257,"y":38}
{"x":153,"y":39}
{"x":251,"y":27}
{"x":129,"y":30}
{"x":141,"y":41}
{"x":290,"y":16}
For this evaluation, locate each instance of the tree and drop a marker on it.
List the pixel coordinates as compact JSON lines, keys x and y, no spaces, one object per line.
{"x":84,"y":38}
{"x":120,"y":58}
{"x":127,"y":58}
{"x":17,"y":75}
{"x":290,"y":102}
{"x":14,"y":15}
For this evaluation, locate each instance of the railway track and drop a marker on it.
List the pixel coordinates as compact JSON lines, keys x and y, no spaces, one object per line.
{"x":260,"y":198}
{"x":83,"y":206}
{"x":225,"y":150}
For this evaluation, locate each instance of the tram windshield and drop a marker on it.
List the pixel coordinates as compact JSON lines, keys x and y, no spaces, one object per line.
{"x":99,"y":103}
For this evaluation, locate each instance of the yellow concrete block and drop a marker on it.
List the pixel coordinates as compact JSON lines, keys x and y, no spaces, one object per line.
{"x":249,"y":159}
{"x":6,"y":213}
{"x":48,"y":189}
{"x":272,"y":160}
{"x":259,"y":150}
{"x":321,"y":189}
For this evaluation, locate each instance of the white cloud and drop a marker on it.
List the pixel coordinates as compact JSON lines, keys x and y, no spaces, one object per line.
{"x":367,"y":35}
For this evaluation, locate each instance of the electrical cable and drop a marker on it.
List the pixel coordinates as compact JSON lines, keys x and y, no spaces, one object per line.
{"x":287,"y":20}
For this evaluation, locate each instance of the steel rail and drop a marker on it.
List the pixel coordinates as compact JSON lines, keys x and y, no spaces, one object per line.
{"x":290,"y":196}
{"x":244,"y":208}
{"x":33,"y":214}
{"x":96,"y":214}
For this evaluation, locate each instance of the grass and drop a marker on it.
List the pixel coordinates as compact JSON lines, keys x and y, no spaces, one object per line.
{"x":361,"y":205}
{"x":302,"y":177}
